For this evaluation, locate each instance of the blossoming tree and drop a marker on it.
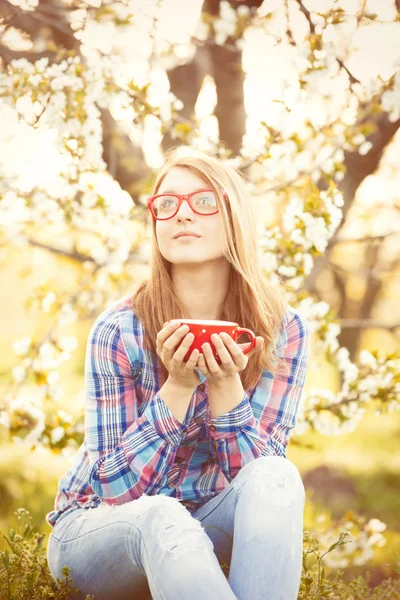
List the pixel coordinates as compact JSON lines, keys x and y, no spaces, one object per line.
{"x":66,"y":84}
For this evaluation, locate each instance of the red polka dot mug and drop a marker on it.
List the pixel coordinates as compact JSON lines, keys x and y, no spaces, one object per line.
{"x":203,"y":329}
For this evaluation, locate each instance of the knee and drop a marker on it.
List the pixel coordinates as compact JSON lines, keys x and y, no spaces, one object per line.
{"x":268,"y":473}
{"x":162,"y":511}
{"x":169,"y":526}
{"x":152,"y":507}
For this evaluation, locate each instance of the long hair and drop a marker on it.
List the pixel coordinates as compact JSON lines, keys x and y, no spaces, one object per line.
{"x":252,"y":301}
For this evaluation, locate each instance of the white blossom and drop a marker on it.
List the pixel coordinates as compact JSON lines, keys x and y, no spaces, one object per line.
{"x":242,"y":10}
{"x":375,"y":526}
{"x":5,"y":419}
{"x":202,"y":31}
{"x":227,"y":12}
{"x":48,"y":301}
{"x":67,"y":343}
{"x":52,"y":377}
{"x":365,"y":148}
{"x":287,"y":270}
{"x":57,"y":434}
{"x":22,"y":346}
{"x":19,"y":373}
{"x":67,"y":315}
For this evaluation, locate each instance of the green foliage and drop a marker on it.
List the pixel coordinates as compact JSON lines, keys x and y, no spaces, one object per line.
{"x":316,"y":583}
{"x":24,"y":573}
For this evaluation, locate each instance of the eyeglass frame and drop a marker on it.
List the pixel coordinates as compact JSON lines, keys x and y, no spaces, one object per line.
{"x":181,"y":198}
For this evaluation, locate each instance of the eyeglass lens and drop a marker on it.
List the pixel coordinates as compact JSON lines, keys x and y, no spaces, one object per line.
{"x":203,"y":202}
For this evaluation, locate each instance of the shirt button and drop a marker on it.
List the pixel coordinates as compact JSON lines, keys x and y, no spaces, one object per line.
{"x":171,"y":485}
{"x":212,"y":427}
{"x":202,"y":387}
{"x":199,"y":421}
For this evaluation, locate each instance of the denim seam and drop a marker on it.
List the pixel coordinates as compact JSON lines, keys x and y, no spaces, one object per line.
{"x":141,"y":540}
{"x":211,"y":510}
{"x":95,"y":530}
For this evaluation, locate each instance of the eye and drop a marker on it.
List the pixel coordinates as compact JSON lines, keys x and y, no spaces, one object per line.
{"x":165,"y":205}
{"x":166,"y":200}
{"x":205,"y":198}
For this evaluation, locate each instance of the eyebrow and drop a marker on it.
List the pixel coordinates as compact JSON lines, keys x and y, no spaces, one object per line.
{"x":174,"y":192}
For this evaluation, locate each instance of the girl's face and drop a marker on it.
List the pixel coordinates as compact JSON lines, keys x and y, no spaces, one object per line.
{"x":188,"y":250}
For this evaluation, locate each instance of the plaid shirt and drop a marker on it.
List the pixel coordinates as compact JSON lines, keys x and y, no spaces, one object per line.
{"x":134,"y":445}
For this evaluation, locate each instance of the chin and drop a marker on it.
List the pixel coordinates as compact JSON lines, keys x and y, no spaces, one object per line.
{"x":188,"y":261}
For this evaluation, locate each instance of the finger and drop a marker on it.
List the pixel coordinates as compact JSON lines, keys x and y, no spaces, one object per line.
{"x":191,"y":363}
{"x":222,"y":350}
{"x":258,"y":346}
{"x":238,"y":357}
{"x":166,"y":331}
{"x":174,"y":339}
{"x":181,"y":352}
{"x":201,"y":364}
{"x":209,"y":358}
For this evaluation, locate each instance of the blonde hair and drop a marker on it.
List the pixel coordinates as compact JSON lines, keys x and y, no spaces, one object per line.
{"x":252,"y":301}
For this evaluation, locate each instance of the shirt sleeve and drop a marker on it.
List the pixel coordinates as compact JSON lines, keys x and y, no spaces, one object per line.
{"x":262,"y":426}
{"x":129,"y":454}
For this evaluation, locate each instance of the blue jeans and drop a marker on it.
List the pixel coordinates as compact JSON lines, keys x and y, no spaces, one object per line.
{"x":153,"y":547}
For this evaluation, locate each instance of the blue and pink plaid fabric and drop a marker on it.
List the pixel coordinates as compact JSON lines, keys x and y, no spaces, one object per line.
{"x":133,"y":443}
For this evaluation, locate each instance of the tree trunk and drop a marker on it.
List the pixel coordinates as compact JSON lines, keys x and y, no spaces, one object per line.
{"x":358,"y":167}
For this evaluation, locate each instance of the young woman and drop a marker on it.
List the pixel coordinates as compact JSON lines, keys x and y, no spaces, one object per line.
{"x":182,"y":472}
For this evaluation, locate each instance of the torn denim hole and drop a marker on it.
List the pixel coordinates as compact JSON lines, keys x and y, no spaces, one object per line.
{"x":136,"y":508}
{"x":96,"y":513}
{"x":178,"y":533}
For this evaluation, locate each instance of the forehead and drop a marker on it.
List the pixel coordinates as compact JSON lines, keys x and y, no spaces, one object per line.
{"x":182,"y":180}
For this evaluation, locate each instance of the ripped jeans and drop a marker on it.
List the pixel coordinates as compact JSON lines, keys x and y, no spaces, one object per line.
{"x":153,"y":547}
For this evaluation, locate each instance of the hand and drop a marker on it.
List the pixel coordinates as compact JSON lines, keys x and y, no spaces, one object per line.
{"x":180,"y":372}
{"x":231,"y":355}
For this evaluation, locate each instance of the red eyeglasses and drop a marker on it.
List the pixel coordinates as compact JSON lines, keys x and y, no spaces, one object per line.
{"x":165,"y":206}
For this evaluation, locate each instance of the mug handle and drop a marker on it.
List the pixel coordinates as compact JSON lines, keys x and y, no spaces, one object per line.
{"x":239,"y":331}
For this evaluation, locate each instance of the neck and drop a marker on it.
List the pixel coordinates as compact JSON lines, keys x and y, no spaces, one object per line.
{"x":203,"y":289}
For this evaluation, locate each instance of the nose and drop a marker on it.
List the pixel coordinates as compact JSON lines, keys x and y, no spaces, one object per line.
{"x":185,"y":210}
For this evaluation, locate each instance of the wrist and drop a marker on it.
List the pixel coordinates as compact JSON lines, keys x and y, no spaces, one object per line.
{"x":178,"y":385}
{"x":227,"y":382}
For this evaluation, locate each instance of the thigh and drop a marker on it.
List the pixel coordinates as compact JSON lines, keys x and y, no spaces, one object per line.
{"x":217,"y":517}
{"x":102,"y":548}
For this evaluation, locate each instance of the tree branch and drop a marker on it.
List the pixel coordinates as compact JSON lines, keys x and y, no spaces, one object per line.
{"x":351,"y":76}
{"x":133,"y":258}
{"x":332,"y":407}
{"x":77,"y":256}
{"x":367,"y":324}
{"x":307,"y":15}
{"x":289,"y":32}
{"x":367,"y":238}
{"x":45,"y":15}
{"x":357,"y":169}
{"x":8,"y":55}
{"x":341,"y":64}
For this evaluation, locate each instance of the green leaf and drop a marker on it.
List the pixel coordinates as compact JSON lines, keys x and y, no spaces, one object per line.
{"x":6,"y":558}
{"x":39,"y":542}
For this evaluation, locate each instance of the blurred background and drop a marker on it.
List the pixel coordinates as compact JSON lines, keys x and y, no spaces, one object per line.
{"x":303,"y":98}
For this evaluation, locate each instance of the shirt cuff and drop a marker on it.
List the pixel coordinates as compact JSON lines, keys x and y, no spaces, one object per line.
{"x":231,"y":422}
{"x":163,"y":421}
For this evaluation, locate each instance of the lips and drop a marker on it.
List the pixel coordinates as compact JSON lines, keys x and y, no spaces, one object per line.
{"x":186,"y":234}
